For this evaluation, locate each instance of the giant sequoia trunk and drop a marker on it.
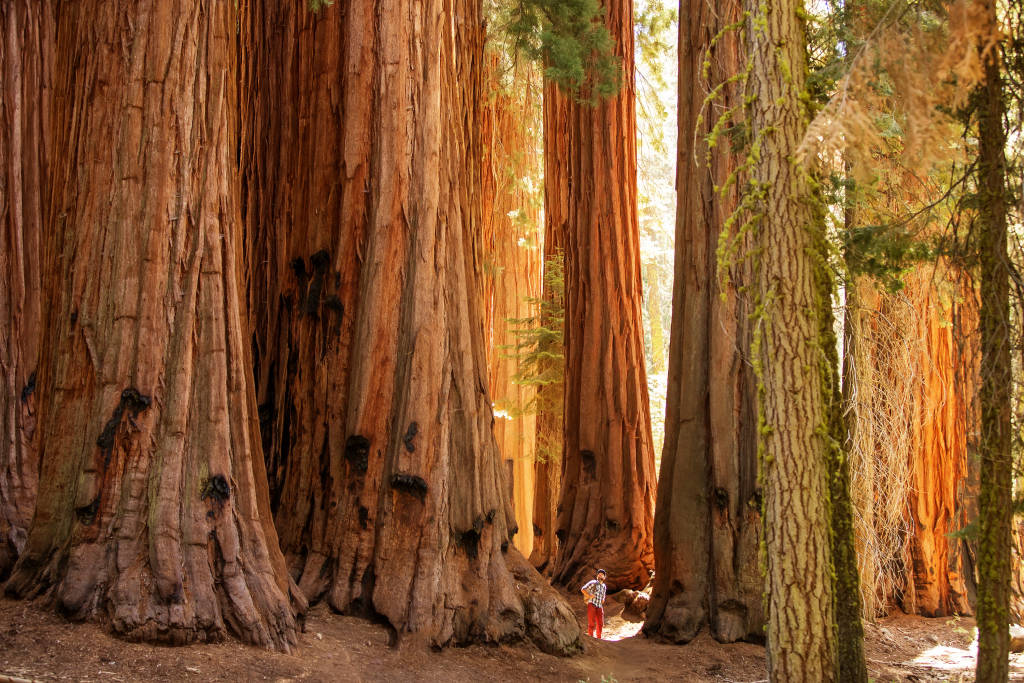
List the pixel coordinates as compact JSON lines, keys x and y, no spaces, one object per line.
{"x":369,"y":336}
{"x":512,"y":274}
{"x":801,"y":642}
{"x":707,"y":523}
{"x":608,"y":480}
{"x":153,"y":512}
{"x":26,"y":35}
{"x":939,"y":567}
{"x":551,"y":396}
{"x":911,"y":376}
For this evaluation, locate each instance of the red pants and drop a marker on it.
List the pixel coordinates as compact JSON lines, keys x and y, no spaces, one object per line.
{"x":595,"y":620}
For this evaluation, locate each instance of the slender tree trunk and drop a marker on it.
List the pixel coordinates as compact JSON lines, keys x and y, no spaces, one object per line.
{"x":608,"y":484}
{"x":850,"y":663}
{"x":551,"y":397}
{"x":801,"y":642}
{"x":394,"y":502}
{"x":153,"y":511}
{"x":996,"y":475}
{"x":512,"y":276}
{"x":707,"y":521}
{"x":26,"y":62}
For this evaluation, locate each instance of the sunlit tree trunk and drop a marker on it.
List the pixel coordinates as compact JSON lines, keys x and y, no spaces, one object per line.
{"x":26,"y":61}
{"x":153,"y":514}
{"x":939,"y":568}
{"x":608,"y":480}
{"x":995,"y":504}
{"x":912,"y":364}
{"x":798,"y":571}
{"x":707,"y":521}
{"x":512,"y":272}
{"x":393,"y":495}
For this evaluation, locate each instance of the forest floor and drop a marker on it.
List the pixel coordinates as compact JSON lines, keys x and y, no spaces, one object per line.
{"x":38,"y":645}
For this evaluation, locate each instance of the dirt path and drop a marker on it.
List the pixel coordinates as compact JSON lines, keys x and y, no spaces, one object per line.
{"x":38,"y":645}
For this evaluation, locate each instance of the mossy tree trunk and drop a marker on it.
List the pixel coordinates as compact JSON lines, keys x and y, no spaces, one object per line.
{"x":708,"y":518}
{"x":153,"y":514}
{"x":26,"y":62}
{"x":850,"y":662}
{"x":393,"y":495}
{"x":995,"y":505}
{"x":788,"y":353}
{"x":606,"y":516}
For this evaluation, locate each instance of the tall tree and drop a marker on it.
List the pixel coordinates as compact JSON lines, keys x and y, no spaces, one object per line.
{"x":370,"y":349}
{"x":26,"y":35}
{"x":995,"y":504}
{"x":793,"y":431}
{"x":153,"y":512}
{"x":608,"y":480}
{"x":708,"y":519}
{"x":511,"y":233}
{"x":551,"y":395}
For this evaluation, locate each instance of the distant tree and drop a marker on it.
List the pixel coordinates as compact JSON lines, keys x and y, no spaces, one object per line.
{"x":707,"y":522}
{"x":551,"y":395}
{"x":511,"y":237}
{"x":606,"y":505}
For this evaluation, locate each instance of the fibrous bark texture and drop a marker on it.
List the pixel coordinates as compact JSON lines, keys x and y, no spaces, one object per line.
{"x":708,"y":517}
{"x":606,"y":516}
{"x":26,"y":35}
{"x":511,"y":236}
{"x":551,"y":396}
{"x":798,"y":572}
{"x":911,"y":378}
{"x":371,"y":351}
{"x":153,"y":512}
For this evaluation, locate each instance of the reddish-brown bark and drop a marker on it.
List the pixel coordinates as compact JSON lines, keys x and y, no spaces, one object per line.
{"x":707,"y":523}
{"x":393,"y":499}
{"x":153,"y":512}
{"x":511,"y":239}
{"x":26,"y":39}
{"x":551,"y":397}
{"x":940,"y":569}
{"x":606,"y":516}
{"x":915,"y":375}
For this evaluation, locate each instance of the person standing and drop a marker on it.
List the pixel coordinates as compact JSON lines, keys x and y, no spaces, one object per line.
{"x":594,"y":592}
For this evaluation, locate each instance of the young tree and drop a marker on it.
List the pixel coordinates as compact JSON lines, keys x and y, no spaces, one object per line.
{"x":153,"y":512}
{"x":26,"y":35}
{"x":393,"y":495}
{"x":606,"y":504}
{"x":793,"y":430}
{"x":995,"y":504}
{"x":707,"y":521}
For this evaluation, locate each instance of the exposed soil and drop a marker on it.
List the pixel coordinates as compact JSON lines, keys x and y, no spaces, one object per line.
{"x":38,"y":645}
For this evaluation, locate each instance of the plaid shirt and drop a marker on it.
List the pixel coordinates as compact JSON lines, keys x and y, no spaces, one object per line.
{"x":598,"y":590}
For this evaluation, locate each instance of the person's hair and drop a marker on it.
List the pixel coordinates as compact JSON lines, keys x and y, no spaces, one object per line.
{"x":601,"y":571}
